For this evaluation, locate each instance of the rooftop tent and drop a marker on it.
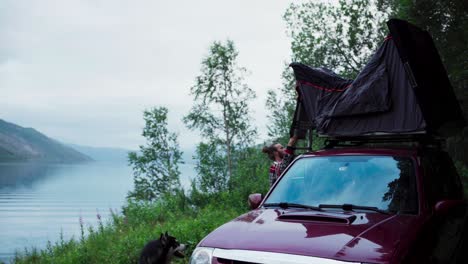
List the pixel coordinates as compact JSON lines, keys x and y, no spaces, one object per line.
{"x":403,"y":89}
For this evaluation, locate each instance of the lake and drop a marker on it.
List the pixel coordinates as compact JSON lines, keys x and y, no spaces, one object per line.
{"x":38,"y":202}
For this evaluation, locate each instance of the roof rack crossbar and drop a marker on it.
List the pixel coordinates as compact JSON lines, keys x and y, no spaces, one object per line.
{"x":420,"y":140}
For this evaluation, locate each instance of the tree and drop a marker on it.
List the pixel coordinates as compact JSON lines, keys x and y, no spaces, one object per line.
{"x":281,"y":105}
{"x":341,"y":37}
{"x":251,"y":173}
{"x":221,"y":110}
{"x":211,"y":163}
{"x":156,"y":165}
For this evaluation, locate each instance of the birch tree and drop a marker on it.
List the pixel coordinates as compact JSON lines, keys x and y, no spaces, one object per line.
{"x":156,"y":165}
{"x":220,"y":111}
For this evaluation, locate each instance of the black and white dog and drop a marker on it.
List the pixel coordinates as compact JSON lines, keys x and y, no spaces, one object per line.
{"x":162,"y":250}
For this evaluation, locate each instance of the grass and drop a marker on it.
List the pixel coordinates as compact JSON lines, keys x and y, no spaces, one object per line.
{"x":121,"y":240}
{"x":188,"y":218}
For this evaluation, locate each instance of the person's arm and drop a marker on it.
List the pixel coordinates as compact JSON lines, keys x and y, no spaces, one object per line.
{"x":289,"y":155}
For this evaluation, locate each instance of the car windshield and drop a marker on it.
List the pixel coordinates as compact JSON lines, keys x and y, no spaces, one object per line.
{"x":385,"y":182}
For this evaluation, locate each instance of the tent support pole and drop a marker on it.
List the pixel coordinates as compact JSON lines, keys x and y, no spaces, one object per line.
{"x":310,"y":139}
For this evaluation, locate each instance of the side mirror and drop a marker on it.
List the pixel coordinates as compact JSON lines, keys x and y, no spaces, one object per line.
{"x":442,"y":208}
{"x":254,"y":200}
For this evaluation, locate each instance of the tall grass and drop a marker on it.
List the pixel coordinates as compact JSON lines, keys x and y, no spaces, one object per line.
{"x":187,"y":217}
{"x":121,"y":239}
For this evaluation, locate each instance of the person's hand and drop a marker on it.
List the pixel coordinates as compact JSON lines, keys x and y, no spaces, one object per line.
{"x":292,"y":141}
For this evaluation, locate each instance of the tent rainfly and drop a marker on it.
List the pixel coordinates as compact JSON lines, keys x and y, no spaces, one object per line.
{"x":403,"y":89}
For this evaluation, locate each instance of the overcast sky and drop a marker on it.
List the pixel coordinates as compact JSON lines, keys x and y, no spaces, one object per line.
{"x":83,"y":71}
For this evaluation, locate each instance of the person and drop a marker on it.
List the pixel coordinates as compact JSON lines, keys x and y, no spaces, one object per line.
{"x":281,"y":158}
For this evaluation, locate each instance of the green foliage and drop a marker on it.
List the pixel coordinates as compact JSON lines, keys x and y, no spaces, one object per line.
{"x":462,"y":169}
{"x":156,"y":165}
{"x":221,"y":113}
{"x":211,"y":167}
{"x":339,"y":37}
{"x":251,"y":173}
{"x":280,"y":113}
{"x":121,"y":240}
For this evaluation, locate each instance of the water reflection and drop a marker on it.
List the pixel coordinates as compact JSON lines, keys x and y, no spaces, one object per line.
{"x":38,"y":201}
{"x":16,"y":175}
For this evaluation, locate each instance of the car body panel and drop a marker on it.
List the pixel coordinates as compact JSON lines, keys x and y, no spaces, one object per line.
{"x":336,"y":234}
{"x":372,"y":237}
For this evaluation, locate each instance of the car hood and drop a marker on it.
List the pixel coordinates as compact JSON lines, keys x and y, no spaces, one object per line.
{"x":347,"y":236}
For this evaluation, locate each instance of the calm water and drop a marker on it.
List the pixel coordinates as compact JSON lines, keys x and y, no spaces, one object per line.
{"x":39,"y":201}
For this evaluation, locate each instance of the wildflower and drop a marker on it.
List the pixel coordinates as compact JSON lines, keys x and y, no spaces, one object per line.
{"x":82,"y":228}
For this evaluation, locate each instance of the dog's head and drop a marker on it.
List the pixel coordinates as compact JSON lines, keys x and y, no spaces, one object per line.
{"x":171,"y":243}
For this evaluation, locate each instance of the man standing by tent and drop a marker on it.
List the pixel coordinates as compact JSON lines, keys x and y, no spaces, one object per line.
{"x":281,"y":158}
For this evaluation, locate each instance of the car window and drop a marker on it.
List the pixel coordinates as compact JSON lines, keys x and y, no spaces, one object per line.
{"x":385,"y":182}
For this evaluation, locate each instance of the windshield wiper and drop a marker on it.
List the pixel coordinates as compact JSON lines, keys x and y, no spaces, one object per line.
{"x":285,"y":205}
{"x":350,"y":207}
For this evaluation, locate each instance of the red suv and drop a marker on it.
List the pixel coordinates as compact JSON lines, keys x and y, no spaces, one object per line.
{"x":351,"y":205}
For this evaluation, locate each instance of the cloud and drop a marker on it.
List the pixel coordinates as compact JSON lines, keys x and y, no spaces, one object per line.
{"x":84,"y":71}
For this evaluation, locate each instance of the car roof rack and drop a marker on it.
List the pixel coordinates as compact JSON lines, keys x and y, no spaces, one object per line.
{"x":387,"y":140}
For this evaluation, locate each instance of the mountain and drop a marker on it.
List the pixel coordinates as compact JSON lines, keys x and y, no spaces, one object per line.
{"x":103,"y":154}
{"x":27,"y":144}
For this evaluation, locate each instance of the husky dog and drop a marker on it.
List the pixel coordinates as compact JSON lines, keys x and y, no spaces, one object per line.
{"x":162,"y":250}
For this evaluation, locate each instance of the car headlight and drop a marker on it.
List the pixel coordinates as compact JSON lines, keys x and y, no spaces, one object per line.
{"x":201,"y":255}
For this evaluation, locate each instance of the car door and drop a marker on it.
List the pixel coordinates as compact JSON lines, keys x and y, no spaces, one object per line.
{"x":446,"y":229}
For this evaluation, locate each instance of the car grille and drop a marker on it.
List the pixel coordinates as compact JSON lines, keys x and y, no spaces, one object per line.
{"x":240,"y":256}
{"x":228,"y":261}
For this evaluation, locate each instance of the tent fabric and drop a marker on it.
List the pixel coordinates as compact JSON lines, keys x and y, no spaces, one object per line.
{"x":384,"y":98}
{"x":425,"y":70}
